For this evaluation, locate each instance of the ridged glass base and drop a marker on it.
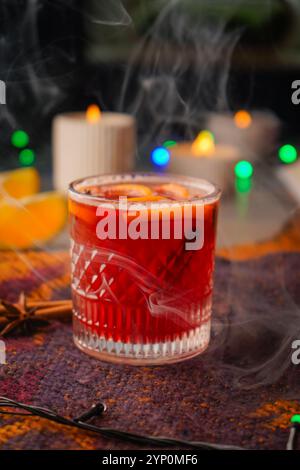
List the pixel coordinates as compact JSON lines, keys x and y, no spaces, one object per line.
{"x":183,"y":347}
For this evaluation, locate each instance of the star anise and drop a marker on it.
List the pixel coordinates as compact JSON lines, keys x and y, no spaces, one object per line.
{"x":20,"y":318}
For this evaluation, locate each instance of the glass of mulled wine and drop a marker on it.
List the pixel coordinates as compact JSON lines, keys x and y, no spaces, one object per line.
{"x":142,"y":248}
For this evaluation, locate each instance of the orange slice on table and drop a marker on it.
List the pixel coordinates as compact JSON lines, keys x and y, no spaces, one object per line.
{"x":31,"y":220}
{"x":19,"y":183}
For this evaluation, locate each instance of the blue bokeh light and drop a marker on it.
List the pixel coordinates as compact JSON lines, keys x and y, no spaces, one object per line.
{"x":160,"y":156}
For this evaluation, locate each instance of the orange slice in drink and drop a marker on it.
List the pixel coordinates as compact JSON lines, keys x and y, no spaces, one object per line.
{"x":19,"y":183}
{"x":129,"y":190}
{"x":134,"y":192}
{"x":31,"y":220}
{"x":173,"y":191}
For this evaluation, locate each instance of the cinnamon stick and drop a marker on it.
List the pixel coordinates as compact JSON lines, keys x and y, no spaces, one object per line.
{"x":41,"y":304}
{"x":47,"y":310}
{"x":62,"y":311}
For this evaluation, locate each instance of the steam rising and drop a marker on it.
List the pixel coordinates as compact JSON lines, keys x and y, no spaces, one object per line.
{"x":113,"y":14}
{"x":40,"y":76}
{"x":182,"y":68}
{"x":253,"y":339}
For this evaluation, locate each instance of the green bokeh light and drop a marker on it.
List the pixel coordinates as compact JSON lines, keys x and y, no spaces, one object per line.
{"x":243,"y":185}
{"x":295,"y":419}
{"x":20,"y":139}
{"x":288,"y":153}
{"x":169,"y":143}
{"x":26,"y":157}
{"x":243,"y":169}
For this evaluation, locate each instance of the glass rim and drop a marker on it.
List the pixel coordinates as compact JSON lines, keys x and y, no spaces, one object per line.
{"x":117,"y":178}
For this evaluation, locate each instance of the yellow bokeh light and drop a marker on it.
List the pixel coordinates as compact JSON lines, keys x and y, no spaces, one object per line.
{"x":204,"y":144}
{"x":93,"y":114}
{"x":242,"y":119}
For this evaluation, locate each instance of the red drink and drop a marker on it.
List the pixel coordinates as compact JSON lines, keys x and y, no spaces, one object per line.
{"x":142,"y":266}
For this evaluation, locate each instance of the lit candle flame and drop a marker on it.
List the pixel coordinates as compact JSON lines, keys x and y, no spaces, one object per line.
{"x":204,"y":144}
{"x":243,"y":119}
{"x":93,"y":114}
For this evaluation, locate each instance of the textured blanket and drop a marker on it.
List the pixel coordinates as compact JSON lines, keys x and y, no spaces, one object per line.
{"x":242,"y":390}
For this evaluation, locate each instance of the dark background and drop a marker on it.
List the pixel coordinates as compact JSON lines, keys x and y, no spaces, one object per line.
{"x":62,"y":55}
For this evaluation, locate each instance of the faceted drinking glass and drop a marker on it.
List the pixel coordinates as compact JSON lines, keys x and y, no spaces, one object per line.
{"x":142,"y":248}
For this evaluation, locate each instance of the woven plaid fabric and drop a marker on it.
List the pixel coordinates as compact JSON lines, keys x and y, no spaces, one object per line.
{"x":198,"y":399}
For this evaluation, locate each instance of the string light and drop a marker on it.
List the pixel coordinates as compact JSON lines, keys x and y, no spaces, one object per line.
{"x":26,"y":157}
{"x":20,"y":139}
{"x":295,"y":419}
{"x":243,"y":169}
{"x":169,"y":143}
{"x":11,"y":407}
{"x":288,"y":154}
{"x":294,"y":430}
{"x":242,"y":119}
{"x":160,"y":156}
{"x":243,"y":185}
